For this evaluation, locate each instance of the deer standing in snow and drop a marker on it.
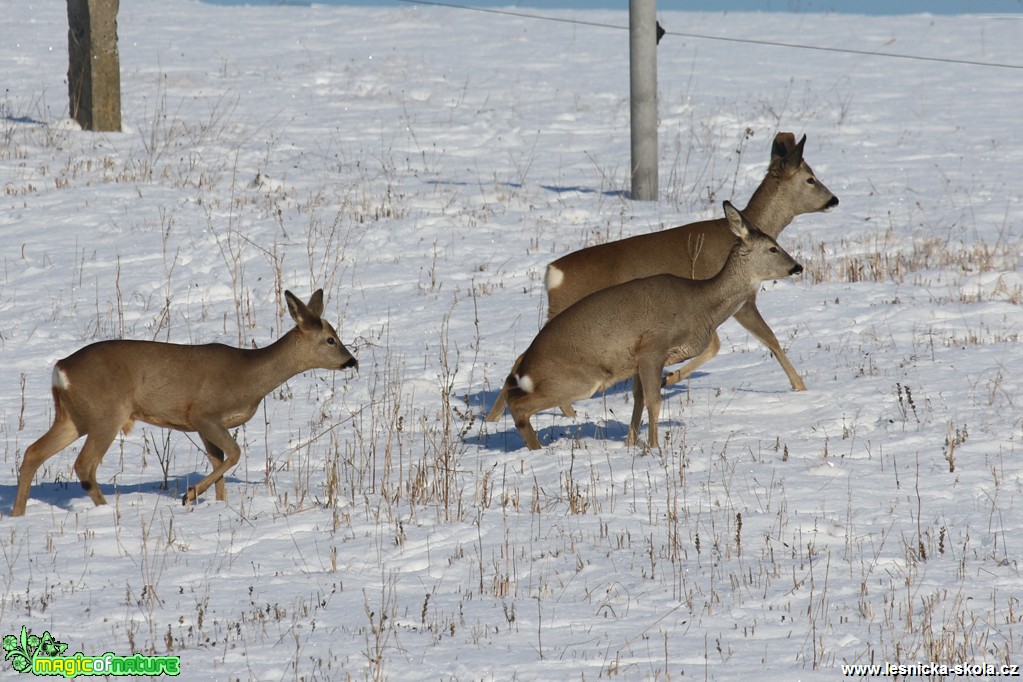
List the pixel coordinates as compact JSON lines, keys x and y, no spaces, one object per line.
{"x":697,"y":251}
{"x":105,"y":387}
{"x":633,"y":329}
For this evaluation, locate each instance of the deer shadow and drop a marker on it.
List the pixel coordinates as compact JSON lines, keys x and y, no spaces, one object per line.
{"x":63,"y":494}
{"x":613,"y":429}
{"x":577,"y":189}
{"x":509,"y":440}
{"x":24,"y":120}
{"x":504,"y":436}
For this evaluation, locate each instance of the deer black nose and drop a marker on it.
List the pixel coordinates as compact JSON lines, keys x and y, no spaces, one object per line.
{"x":352,"y":363}
{"x":832,"y":203}
{"x":796,"y":269}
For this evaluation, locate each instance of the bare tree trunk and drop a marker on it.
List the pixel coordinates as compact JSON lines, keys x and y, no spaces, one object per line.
{"x":94,"y":66}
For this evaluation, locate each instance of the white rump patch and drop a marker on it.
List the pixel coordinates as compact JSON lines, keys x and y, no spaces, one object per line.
{"x":554,"y":277}
{"x":60,"y":380}
{"x":525,"y":383}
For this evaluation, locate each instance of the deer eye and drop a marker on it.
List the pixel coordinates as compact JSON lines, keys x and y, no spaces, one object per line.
{"x":811,"y":181}
{"x":774,"y":249}
{"x":331,"y":341}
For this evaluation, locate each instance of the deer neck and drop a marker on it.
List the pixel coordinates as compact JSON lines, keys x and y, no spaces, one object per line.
{"x":730,"y":288}
{"x":270,"y":366}
{"x":767,"y":210}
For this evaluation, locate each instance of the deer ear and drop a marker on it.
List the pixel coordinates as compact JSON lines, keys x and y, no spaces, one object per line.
{"x":315,"y":303}
{"x":736,"y":223}
{"x":783,"y":144}
{"x":795,"y":156}
{"x":787,"y":154}
{"x":303,"y":314}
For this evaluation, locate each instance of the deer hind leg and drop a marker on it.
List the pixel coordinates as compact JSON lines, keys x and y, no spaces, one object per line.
{"x":498,"y":409}
{"x":750,"y":318}
{"x":97,"y":442}
{"x":527,"y":433}
{"x":216,"y":457}
{"x":502,"y":398}
{"x":221,"y":438}
{"x":61,"y":434}
{"x":686,"y":370}
{"x":523,"y":406}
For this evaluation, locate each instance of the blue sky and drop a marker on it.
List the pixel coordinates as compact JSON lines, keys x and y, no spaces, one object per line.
{"x":876,"y":7}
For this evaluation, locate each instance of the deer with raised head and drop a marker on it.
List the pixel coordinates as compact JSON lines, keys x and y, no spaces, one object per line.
{"x":633,"y":329}
{"x":696,"y":251}
{"x":105,"y":387}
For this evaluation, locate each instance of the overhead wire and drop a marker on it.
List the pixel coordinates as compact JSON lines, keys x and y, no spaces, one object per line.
{"x":702,"y":36}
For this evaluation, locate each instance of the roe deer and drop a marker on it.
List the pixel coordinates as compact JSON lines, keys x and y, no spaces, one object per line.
{"x":632,"y":329}
{"x":697,"y":251}
{"x":105,"y":387}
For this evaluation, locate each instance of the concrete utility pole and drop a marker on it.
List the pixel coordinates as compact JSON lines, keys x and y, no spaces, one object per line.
{"x":643,"y":86}
{"x":94,"y":66}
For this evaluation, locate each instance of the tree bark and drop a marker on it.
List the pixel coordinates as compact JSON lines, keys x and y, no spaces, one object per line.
{"x":94,"y":65}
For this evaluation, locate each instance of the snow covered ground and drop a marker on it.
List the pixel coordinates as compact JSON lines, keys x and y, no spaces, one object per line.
{"x":423,"y":165}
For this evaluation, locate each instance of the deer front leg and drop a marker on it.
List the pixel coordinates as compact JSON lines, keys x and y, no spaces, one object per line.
{"x":650,"y":386}
{"x":695,"y":363}
{"x":646,"y":390}
{"x":750,"y":318}
{"x":220,"y":437}
{"x":637,"y":410}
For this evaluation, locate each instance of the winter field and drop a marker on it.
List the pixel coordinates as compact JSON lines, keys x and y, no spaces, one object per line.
{"x":423,"y":165}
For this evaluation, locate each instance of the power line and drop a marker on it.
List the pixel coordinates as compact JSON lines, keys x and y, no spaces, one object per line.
{"x":487,"y":10}
{"x":845,"y":50}
{"x":701,"y":36}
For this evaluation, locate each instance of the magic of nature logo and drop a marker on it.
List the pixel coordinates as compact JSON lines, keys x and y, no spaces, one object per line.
{"x":44,"y":655}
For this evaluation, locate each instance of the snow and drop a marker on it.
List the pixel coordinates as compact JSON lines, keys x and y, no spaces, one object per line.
{"x":423,"y":165}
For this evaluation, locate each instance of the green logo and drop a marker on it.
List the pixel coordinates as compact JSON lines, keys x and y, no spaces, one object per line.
{"x":22,"y":651}
{"x":44,"y":655}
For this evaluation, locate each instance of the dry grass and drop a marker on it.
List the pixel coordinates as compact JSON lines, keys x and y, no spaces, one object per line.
{"x":724,"y":523}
